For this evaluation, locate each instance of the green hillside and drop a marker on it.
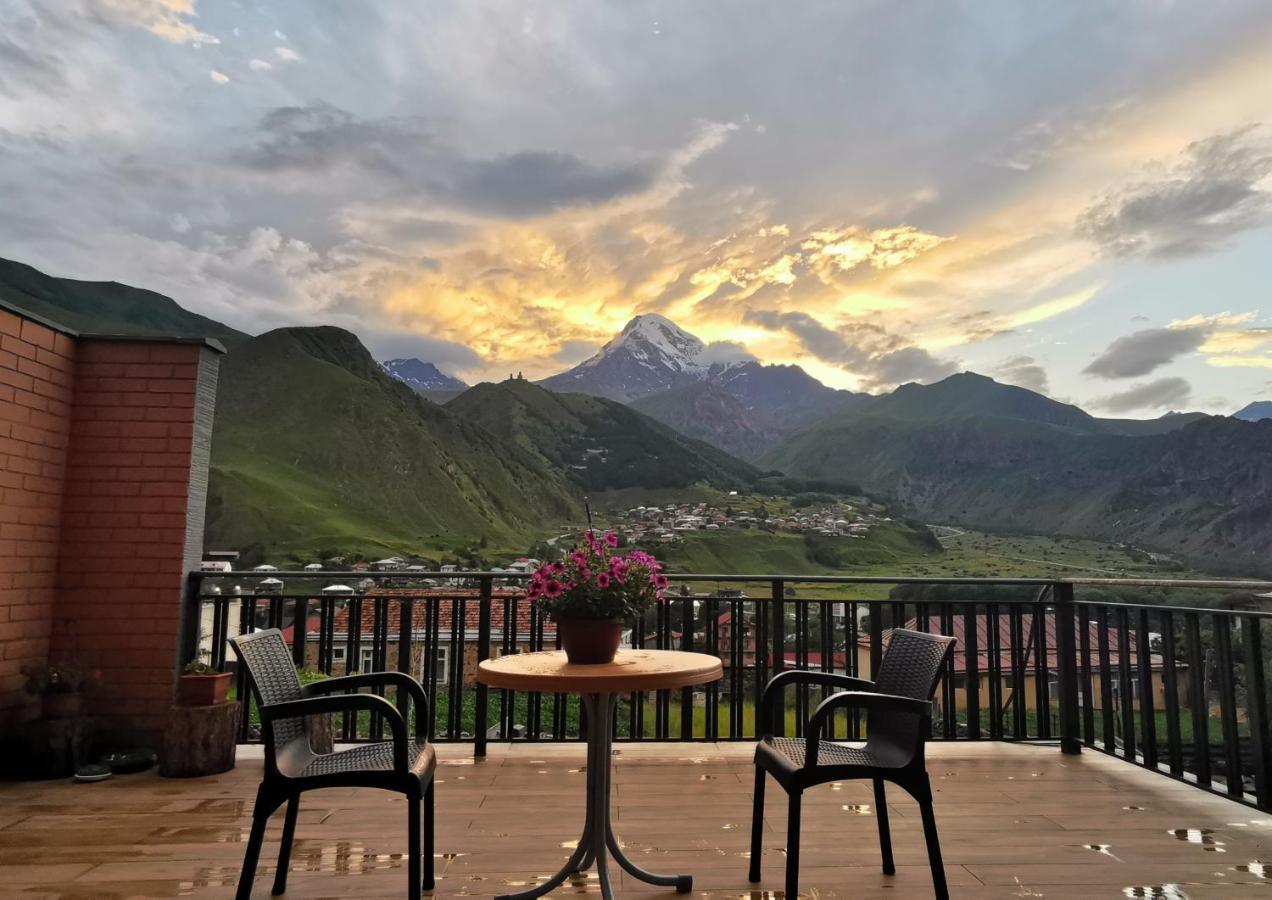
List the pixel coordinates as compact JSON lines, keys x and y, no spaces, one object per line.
{"x":601,"y":444}
{"x":758,"y":552}
{"x":105,"y":307}
{"x":315,"y":449}
{"x":1202,"y":491}
{"x":706,"y":412}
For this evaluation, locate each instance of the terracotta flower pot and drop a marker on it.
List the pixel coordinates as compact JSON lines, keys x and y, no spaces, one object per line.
{"x":62,"y":705}
{"x":590,"y":641}
{"x":203,"y":690}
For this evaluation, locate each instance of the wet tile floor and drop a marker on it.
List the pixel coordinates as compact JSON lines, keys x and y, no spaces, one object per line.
{"x":1015,"y":822}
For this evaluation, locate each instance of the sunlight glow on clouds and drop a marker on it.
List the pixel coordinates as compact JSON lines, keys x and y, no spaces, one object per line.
{"x":508,"y":184}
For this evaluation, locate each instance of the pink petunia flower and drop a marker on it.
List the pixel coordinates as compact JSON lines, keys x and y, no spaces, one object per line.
{"x":602,"y":580}
{"x":611,"y":539}
{"x":552,"y":589}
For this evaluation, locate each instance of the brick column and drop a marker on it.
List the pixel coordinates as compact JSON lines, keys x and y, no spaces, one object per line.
{"x":36,"y":372}
{"x":132,"y":518}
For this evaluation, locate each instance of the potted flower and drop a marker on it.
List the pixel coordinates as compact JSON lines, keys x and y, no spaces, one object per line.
{"x":59,"y":687}
{"x":592,"y":590}
{"x":202,"y":685}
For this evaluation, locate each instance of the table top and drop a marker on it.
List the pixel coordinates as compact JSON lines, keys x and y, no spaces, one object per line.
{"x":631,"y":670}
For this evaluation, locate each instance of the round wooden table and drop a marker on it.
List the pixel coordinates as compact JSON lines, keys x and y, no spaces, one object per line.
{"x":599,"y":685}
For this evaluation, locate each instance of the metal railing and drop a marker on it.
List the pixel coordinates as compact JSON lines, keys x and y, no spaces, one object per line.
{"x":1180,"y":689}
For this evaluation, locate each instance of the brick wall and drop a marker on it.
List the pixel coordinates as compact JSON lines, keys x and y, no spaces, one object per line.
{"x":104,"y":448}
{"x":36,"y":370}
{"x":127,"y":527}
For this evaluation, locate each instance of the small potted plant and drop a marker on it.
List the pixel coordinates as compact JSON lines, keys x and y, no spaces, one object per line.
{"x":202,"y":685}
{"x":592,"y":590}
{"x":60,"y":688}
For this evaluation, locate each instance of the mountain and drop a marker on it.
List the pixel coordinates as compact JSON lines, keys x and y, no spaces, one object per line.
{"x":316,"y":448}
{"x":651,"y":354}
{"x":105,"y":307}
{"x":422,"y":376}
{"x":706,"y":412}
{"x":744,"y":407}
{"x":968,"y":394}
{"x":1255,"y":412}
{"x":973,"y":452}
{"x":602,"y":443}
{"x":787,"y":394}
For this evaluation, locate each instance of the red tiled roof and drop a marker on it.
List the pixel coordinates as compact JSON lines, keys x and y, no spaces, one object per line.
{"x":445,"y":611}
{"x":1028,"y":649}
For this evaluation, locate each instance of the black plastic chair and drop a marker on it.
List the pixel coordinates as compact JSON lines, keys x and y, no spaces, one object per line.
{"x":404,"y":765}
{"x":898,"y":719}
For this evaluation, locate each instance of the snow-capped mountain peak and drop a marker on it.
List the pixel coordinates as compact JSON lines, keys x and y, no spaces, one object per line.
{"x":421,"y":376}
{"x":650,"y":354}
{"x":653,"y":341}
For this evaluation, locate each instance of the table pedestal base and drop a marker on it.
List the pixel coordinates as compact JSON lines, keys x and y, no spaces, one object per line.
{"x":598,"y":842}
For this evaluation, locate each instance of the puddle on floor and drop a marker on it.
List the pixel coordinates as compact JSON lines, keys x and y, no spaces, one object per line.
{"x":857,"y":809}
{"x":1102,"y":849}
{"x":1203,"y":837}
{"x":1257,"y":869}
{"x":200,"y":834}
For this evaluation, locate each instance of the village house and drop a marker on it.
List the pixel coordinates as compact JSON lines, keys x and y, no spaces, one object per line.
{"x":433,"y":620}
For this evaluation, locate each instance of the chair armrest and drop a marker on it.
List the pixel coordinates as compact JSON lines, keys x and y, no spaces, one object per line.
{"x":314,"y":706}
{"x":400,"y":680}
{"x":857,"y":700}
{"x":773,"y":690}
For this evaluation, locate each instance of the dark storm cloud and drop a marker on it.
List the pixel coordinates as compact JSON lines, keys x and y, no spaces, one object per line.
{"x":29,"y":68}
{"x":531,"y":183}
{"x":321,"y":137}
{"x":825,"y":343}
{"x":1024,"y":371}
{"x":1143,"y":351}
{"x":1211,"y":195}
{"x":446,"y":355}
{"x":405,"y":151}
{"x":866,"y":350}
{"x":1164,"y":393}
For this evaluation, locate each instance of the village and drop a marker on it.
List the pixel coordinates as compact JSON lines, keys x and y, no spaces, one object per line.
{"x":651,"y":525}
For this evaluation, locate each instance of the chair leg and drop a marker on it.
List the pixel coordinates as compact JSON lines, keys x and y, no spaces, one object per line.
{"x":792,"y":847}
{"x":413,"y":848}
{"x":885,"y":833}
{"x":757,"y":825}
{"x":285,"y":847}
{"x":429,"y":882}
{"x":933,"y":842}
{"x":261,"y":812}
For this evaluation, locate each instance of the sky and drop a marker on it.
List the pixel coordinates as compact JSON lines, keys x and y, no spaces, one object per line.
{"x":1072,"y":197}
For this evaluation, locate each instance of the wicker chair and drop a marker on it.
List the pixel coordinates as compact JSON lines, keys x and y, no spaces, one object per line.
{"x":404,"y":765}
{"x":898,"y":719}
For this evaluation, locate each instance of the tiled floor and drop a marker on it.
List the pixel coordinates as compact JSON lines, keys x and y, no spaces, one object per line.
{"x":1015,"y":822}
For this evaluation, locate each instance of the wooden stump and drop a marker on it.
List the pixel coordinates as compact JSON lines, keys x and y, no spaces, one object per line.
{"x":199,"y":740}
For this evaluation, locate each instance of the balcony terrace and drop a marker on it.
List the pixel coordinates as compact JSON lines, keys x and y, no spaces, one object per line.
{"x":1080,"y":747}
{"x":1016,"y":821}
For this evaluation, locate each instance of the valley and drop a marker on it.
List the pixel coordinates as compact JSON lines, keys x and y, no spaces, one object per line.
{"x":320,"y":450}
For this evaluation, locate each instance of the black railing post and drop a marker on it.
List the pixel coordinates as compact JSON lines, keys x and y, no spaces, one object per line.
{"x":483,"y":652}
{"x":191,"y":621}
{"x":1070,"y":737}
{"x":779,"y":645}
{"x":1256,"y":710}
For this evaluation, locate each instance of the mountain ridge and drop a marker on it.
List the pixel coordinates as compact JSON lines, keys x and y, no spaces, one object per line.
{"x":602,"y":443}
{"x":1200,"y":487}
{"x":315,"y":446}
{"x":422,"y":376}
{"x":106,"y":307}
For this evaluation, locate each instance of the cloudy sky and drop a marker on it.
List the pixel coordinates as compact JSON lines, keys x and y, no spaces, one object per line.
{"x":1074,"y":197}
